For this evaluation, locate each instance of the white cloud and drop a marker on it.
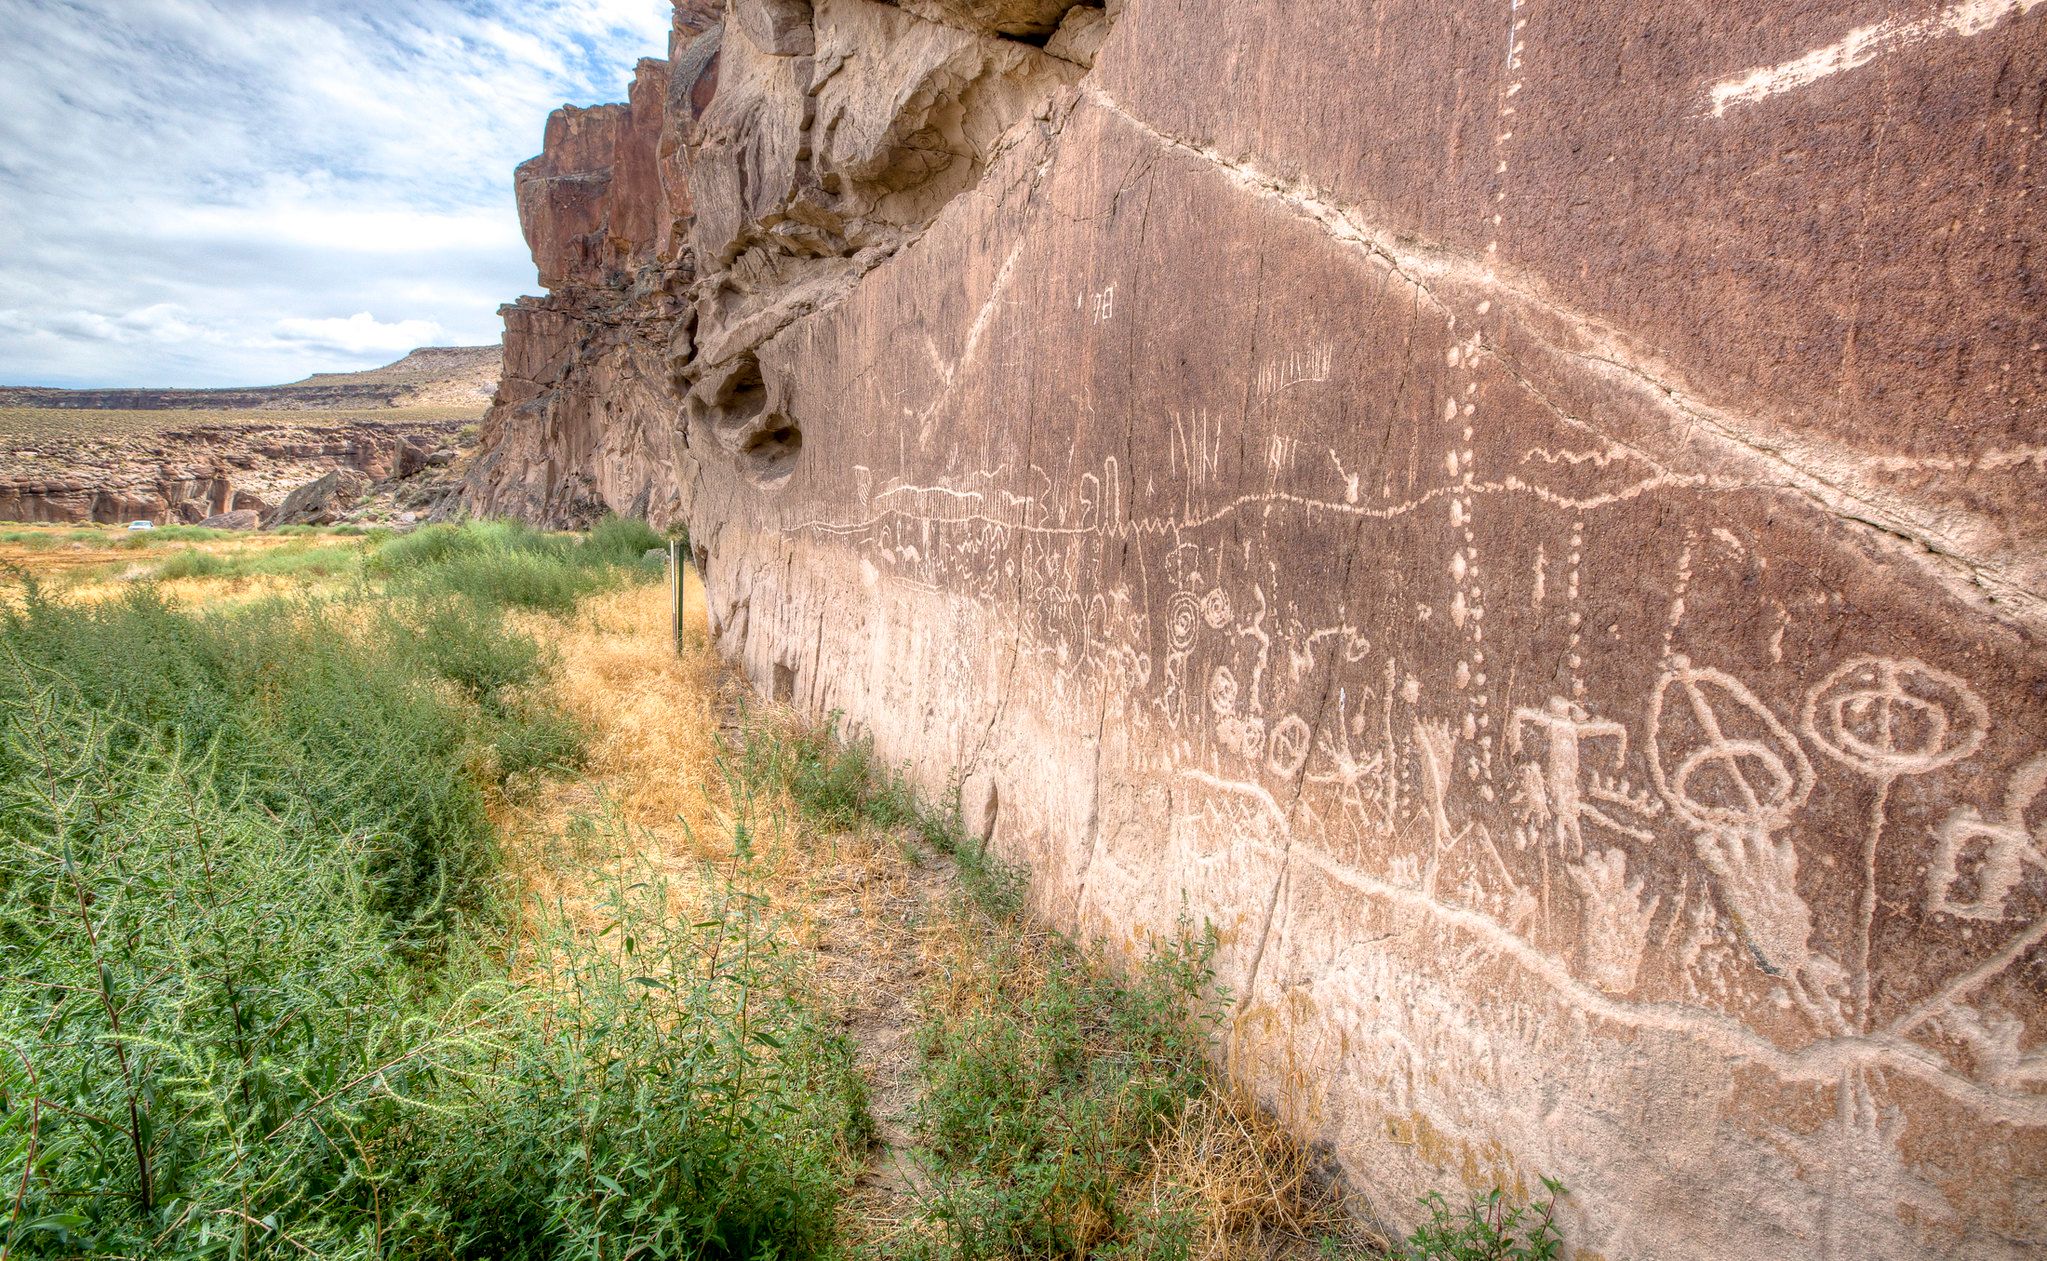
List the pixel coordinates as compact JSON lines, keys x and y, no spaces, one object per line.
{"x":359,"y":334}
{"x":188,"y":186}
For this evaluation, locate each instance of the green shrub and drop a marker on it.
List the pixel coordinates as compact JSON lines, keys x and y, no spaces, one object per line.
{"x":428,"y":545}
{"x":466,"y":641}
{"x":164,"y":535}
{"x":250,"y":1001}
{"x":299,"y":715}
{"x":837,"y":785}
{"x":289,"y":559}
{"x":203,"y":1024}
{"x":510,"y":563}
{"x":533,"y":738}
{"x":1489,"y":1228}
{"x":665,"y":1091}
{"x":520,"y":578}
{"x":192,"y":563}
{"x":328,"y":559}
{"x":623,"y":541}
{"x":1040,"y":1110}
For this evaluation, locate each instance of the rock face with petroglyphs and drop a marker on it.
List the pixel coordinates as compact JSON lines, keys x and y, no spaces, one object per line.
{"x":1523,"y":515}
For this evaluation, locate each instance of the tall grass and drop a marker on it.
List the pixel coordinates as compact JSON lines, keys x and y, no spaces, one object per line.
{"x":285,"y":706}
{"x":258,"y":992}
{"x":306,"y":559}
{"x":668,"y":1090}
{"x":207,"y":1006}
{"x":509,"y":563}
{"x":499,"y":563}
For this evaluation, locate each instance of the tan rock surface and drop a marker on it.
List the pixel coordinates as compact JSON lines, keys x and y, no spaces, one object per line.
{"x":1525,"y":517}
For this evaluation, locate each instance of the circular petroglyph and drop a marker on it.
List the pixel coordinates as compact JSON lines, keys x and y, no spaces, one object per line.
{"x":1222,"y":692}
{"x":1287,"y":748}
{"x":1183,"y":614}
{"x":1719,"y":757}
{"x":1216,"y":609}
{"x":1889,"y":717}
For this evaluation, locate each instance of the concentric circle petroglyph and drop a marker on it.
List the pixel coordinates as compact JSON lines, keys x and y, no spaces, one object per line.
{"x":1216,"y":609}
{"x":1889,"y":717}
{"x":1183,"y":614}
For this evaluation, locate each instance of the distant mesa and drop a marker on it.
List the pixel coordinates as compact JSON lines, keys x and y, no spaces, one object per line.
{"x":427,"y":377}
{"x":379,"y":442}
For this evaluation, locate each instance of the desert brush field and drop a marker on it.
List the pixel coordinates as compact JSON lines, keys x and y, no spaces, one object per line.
{"x":415,"y":895}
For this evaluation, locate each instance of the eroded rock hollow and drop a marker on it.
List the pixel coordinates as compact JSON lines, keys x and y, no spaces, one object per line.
{"x":1524,"y":515}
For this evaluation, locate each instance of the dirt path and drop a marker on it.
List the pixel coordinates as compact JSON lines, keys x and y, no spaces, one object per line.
{"x":872,"y":964}
{"x":874,"y":912}
{"x":659,"y":724}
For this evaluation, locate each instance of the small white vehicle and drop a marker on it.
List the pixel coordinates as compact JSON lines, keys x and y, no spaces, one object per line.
{"x":142,"y":525}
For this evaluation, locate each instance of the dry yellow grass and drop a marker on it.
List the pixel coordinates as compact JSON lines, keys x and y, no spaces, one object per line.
{"x":650,"y":797}
{"x":92,"y":563}
{"x":887,"y":941}
{"x":651,"y":713}
{"x":1254,"y":1187}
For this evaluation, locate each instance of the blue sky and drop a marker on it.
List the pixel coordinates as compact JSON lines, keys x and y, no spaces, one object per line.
{"x":241,"y":192}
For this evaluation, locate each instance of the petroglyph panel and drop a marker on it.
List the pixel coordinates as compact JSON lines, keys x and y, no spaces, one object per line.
{"x":1538,"y":548}
{"x":1554,"y":800}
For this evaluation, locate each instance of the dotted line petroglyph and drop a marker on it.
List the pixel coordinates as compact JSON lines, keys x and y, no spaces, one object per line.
{"x":1706,"y":763}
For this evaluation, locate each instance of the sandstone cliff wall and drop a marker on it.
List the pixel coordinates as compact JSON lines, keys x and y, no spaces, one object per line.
{"x":1523,"y":514}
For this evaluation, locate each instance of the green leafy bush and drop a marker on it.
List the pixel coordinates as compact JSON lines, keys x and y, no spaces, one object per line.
{"x":253,"y":999}
{"x":1489,"y":1228}
{"x":297,"y":558}
{"x":466,"y":642}
{"x":623,"y":541}
{"x":193,"y":563}
{"x":516,"y":577}
{"x":665,"y":1090}
{"x":204,"y":1020}
{"x":1041,"y":1110}
{"x":297,"y":714}
{"x":512,"y":564}
{"x":537,"y":740}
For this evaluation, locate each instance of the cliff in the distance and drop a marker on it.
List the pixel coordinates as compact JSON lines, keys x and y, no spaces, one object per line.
{"x":183,"y":455}
{"x":1523,"y":515}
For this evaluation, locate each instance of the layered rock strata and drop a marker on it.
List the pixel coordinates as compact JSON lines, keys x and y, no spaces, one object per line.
{"x":1522,"y":515}
{"x":188,"y":474}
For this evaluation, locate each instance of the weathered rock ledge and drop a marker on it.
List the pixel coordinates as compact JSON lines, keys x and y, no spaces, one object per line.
{"x":1524,"y":515}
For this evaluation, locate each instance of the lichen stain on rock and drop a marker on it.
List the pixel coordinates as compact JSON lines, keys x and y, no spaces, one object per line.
{"x":1547,"y":567}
